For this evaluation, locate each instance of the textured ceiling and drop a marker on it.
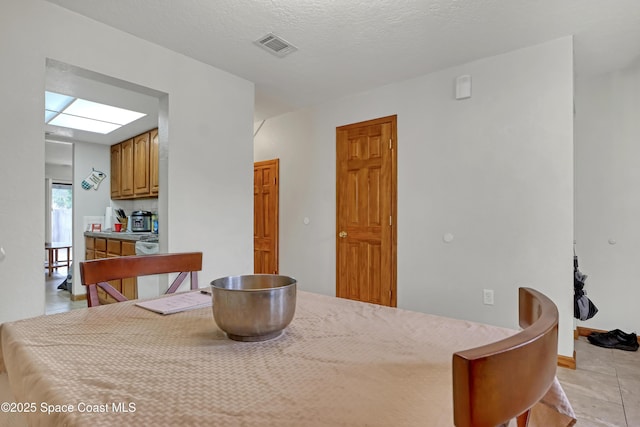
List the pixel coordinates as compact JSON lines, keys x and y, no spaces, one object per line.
{"x":351,"y":46}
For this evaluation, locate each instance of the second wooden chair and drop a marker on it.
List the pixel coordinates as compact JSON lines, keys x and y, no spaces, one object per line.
{"x":97,"y":273}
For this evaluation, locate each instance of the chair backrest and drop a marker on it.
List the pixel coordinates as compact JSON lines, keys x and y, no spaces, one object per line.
{"x":96,"y":273}
{"x":495,"y":383}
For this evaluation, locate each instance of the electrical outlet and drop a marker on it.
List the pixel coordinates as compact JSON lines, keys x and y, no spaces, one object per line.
{"x":487,"y":296}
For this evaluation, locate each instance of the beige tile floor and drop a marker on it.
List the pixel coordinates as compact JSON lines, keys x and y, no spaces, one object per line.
{"x":56,"y":300}
{"x":604,"y":390}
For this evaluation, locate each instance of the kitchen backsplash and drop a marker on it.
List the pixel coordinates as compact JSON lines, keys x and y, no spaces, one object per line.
{"x":129,"y":206}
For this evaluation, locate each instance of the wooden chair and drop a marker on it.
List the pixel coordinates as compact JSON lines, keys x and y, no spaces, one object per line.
{"x":495,"y":383}
{"x":96,"y":273}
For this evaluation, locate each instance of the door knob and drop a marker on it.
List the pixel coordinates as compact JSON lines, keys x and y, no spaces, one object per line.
{"x":342,"y":234}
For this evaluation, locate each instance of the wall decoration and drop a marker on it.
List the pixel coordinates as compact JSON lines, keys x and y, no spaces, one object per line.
{"x":93,"y":180}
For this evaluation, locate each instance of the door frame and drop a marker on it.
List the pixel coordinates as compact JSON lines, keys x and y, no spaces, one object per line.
{"x":393,"y":147}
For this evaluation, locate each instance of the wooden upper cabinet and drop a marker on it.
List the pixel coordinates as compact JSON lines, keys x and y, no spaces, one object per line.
{"x":141,"y":182}
{"x":116,"y":160}
{"x":134,"y":167}
{"x":126,"y":171}
{"x":154,"y":161}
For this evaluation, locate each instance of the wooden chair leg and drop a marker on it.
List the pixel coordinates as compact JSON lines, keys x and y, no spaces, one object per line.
{"x":523,"y":419}
{"x":92,"y":296}
{"x":177,"y":282}
{"x":194,"y":280}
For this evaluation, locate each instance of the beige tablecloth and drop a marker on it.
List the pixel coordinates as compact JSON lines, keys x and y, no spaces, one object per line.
{"x":339,"y":363}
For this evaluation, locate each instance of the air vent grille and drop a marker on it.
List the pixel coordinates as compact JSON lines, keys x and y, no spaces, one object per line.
{"x":275,"y":45}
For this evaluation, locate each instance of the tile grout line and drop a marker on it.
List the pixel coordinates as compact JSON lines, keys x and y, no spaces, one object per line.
{"x":624,"y":410}
{"x":611,"y":357}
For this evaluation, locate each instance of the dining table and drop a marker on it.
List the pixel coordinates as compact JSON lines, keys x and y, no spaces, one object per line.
{"x":338,"y":363}
{"x":53,"y":255}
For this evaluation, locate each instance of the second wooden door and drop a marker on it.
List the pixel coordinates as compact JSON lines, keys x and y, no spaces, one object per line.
{"x":265,"y":217}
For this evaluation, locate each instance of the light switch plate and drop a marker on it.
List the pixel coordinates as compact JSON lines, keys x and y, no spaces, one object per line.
{"x":463,"y":87}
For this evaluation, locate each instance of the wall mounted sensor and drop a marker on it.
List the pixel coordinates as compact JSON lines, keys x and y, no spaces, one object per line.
{"x":463,"y":87}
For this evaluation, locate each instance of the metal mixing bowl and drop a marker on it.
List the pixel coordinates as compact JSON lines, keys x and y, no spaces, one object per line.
{"x":253,"y":307}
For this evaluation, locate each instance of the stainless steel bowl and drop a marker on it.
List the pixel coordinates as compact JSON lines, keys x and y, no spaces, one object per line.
{"x":253,"y":307}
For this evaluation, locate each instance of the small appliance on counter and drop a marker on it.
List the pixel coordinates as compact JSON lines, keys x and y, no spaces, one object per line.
{"x":140,"y":221}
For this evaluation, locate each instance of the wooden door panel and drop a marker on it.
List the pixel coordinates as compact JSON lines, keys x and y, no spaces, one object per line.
{"x":365,"y":217}
{"x":361,"y":260}
{"x":258,"y":264}
{"x":154,"y":165}
{"x":374,"y":286}
{"x":263,"y":261}
{"x":364,"y":189}
{"x":352,"y":262}
{"x":126,"y":170}
{"x":266,"y":220}
{"x":116,"y":164}
{"x":373,"y":197}
{"x":141,"y":185}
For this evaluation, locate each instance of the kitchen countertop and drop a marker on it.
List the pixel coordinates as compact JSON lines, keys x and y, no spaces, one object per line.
{"x":123,"y":235}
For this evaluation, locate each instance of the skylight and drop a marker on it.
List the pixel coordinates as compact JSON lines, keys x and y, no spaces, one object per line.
{"x":75,"y":113}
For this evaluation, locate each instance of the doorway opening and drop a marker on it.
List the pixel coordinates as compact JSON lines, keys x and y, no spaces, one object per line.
{"x":89,"y":150}
{"x":58,"y":245}
{"x":61,"y":212}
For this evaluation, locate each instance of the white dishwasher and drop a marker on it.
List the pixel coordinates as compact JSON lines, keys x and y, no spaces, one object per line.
{"x":147,"y":247}
{"x":148,"y":286}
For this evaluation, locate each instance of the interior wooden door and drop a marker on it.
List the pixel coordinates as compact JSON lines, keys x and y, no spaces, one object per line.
{"x":265,"y":216}
{"x":366,"y":211}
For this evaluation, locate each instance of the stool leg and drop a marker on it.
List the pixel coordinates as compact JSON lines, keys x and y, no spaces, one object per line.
{"x":50,"y":256}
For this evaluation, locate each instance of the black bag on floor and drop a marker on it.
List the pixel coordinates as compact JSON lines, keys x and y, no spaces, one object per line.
{"x":583,"y":308}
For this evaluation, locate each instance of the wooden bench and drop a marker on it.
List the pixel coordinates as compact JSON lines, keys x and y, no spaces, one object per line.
{"x":495,"y":383}
{"x":96,"y":273}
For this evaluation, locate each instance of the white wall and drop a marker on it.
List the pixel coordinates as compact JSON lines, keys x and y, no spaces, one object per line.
{"x":607,"y":195}
{"x":58,"y":173}
{"x":86,"y":157}
{"x":210,"y":116}
{"x":495,"y":170}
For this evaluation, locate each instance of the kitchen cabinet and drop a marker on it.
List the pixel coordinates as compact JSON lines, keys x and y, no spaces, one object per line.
{"x":98,"y":247}
{"x":134,"y":167}
{"x":126,"y":169}
{"x":154,"y":161}
{"x":101,"y":248}
{"x":89,"y":248}
{"x":116,"y":162}
{"x":129,"y":285}
{"x":141,"y":186}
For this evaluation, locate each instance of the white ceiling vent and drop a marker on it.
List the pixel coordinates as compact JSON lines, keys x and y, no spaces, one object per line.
{"x":275,"y":45}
